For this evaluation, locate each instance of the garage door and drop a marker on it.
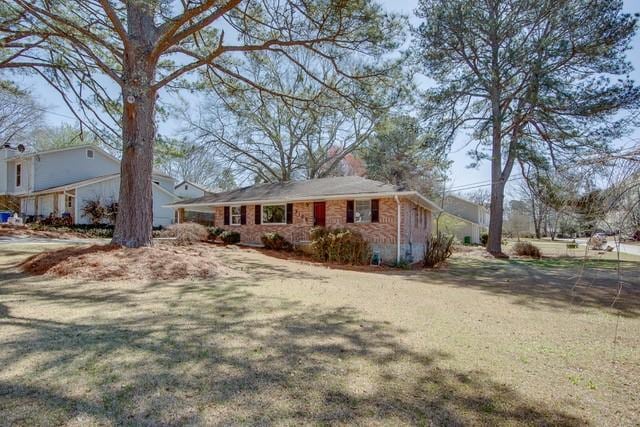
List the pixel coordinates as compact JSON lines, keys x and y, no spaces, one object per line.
{"x":45,"y":205}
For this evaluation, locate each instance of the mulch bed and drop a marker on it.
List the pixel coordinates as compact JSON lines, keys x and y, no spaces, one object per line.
{"x":111,"y":262}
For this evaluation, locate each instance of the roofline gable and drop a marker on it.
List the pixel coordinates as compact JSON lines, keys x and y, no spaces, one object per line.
{"x":198,"y":186}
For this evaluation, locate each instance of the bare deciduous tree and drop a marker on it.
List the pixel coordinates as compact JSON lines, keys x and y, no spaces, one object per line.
{"x":277,"y":138}
{"x":111,"y":59}
{"x":19,"y":114}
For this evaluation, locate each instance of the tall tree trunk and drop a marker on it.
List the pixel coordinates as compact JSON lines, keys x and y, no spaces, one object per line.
{"x":536,"y":217}
{"x":496,"y":210}
{"x":496,"y":213}
{"x":134,"y":222}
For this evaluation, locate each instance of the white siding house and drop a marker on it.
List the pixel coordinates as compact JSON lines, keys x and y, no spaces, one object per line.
{"x":189,"y":190}
{"x":60,"y":182}
{"x":463,"y":218}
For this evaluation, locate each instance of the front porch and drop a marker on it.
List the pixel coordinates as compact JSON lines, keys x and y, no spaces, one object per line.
{"x":57,"y":204}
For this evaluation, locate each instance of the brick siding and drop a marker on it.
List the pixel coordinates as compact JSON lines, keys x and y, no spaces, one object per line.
{"x":415,"y":224}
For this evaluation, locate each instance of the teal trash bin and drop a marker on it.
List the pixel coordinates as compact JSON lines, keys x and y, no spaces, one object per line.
{"x":467,"y":240}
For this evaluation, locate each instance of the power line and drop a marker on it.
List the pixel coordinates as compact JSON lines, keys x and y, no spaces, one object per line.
{"x":55,"y":113}
{"x":480,"y":184}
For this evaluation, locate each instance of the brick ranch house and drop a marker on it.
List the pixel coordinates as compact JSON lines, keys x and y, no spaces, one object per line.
{"x":393,"y":220}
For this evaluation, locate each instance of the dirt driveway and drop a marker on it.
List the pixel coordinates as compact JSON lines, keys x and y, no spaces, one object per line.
{"x":280,"y":342}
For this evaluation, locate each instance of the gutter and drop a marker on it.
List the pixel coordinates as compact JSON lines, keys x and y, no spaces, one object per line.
{"x":398,"y":230}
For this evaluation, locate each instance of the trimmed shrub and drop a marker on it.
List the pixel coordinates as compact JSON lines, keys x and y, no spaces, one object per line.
{"x":527,"y":249}
{"x":188,"y":233}
{"x":214,"y":232}
{"x":56,"y":221}
{"x":437,"y":249}
{"x":484,"y":239}
{"x":230,"y":237}
{"x":275,"y":241}
{"x":340,"y":245}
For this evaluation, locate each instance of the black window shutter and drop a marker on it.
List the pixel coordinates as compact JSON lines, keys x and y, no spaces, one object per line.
{"x":375,"y":209}
{"x":289,"y":213}
{"x":257,"y":214}
{"x":349,"y":210}
{"x":226,"y":215}
{"x":243,"y":214}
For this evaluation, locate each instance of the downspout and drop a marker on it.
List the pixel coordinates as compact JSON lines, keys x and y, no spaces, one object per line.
{"x":398,"y":226}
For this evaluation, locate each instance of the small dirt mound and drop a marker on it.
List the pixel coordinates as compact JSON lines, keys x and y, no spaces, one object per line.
{"x":110,"y":262}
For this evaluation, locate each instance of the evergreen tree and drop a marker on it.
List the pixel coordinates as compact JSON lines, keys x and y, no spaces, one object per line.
{"x":541,"y":81}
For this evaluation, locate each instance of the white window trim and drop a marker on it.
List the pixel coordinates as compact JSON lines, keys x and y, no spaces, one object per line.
{"x":273,"y":223}
{"x":15,"y":177}
{"x":93,"y":154}
{"x":356,"y":210}
{"x":239,"y":215}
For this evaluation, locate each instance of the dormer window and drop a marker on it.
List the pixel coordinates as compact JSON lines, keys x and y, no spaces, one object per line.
{"x":89,"y":154}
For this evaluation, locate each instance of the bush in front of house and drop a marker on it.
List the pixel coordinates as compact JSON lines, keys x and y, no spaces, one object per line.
{"x":230,"y":237}
{"x":484,"y":239}
{"x":275,"y":241}
{"x":437,"y":249}
{"x":188,"y":233}
{"x":527,"y":249}
{"x":340,"y":245}
{"x":111,"y":211}
{"x":94,"y":210}
{"x":214,"y":232}
{"x":57,"y":221}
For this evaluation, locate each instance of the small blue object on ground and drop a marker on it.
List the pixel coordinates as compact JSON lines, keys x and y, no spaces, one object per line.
{"x":4,"y":216}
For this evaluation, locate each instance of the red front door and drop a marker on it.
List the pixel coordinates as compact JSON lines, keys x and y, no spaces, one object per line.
{"x":319,"y":210}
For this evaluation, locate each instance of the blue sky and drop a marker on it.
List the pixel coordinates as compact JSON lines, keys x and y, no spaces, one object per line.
{"x":461,"y":175}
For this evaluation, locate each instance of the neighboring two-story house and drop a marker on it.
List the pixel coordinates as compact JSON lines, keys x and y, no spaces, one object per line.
{"x":466,"y":220}
{"x":191,"y":190}
{"x":60,"y":182}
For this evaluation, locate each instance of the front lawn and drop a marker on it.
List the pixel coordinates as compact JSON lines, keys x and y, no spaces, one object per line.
{"x":279,"y":342}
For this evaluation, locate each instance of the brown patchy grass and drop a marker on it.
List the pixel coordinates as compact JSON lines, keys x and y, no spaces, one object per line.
{"x":112,"y":262}
{"x":484,"y":342}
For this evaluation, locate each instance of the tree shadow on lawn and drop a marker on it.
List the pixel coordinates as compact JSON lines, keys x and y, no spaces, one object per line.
{"x":218,"y":354}
{"x":558,"y":283}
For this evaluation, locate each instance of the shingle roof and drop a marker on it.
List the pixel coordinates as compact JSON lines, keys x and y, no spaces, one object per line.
{"x":298,"y":190}
{"x":85,"y":182}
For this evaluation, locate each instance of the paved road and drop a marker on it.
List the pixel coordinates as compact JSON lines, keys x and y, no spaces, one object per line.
{"x":624,"y":248}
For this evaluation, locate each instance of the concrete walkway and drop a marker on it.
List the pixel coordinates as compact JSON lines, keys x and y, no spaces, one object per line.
{"x":7,"y":240}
